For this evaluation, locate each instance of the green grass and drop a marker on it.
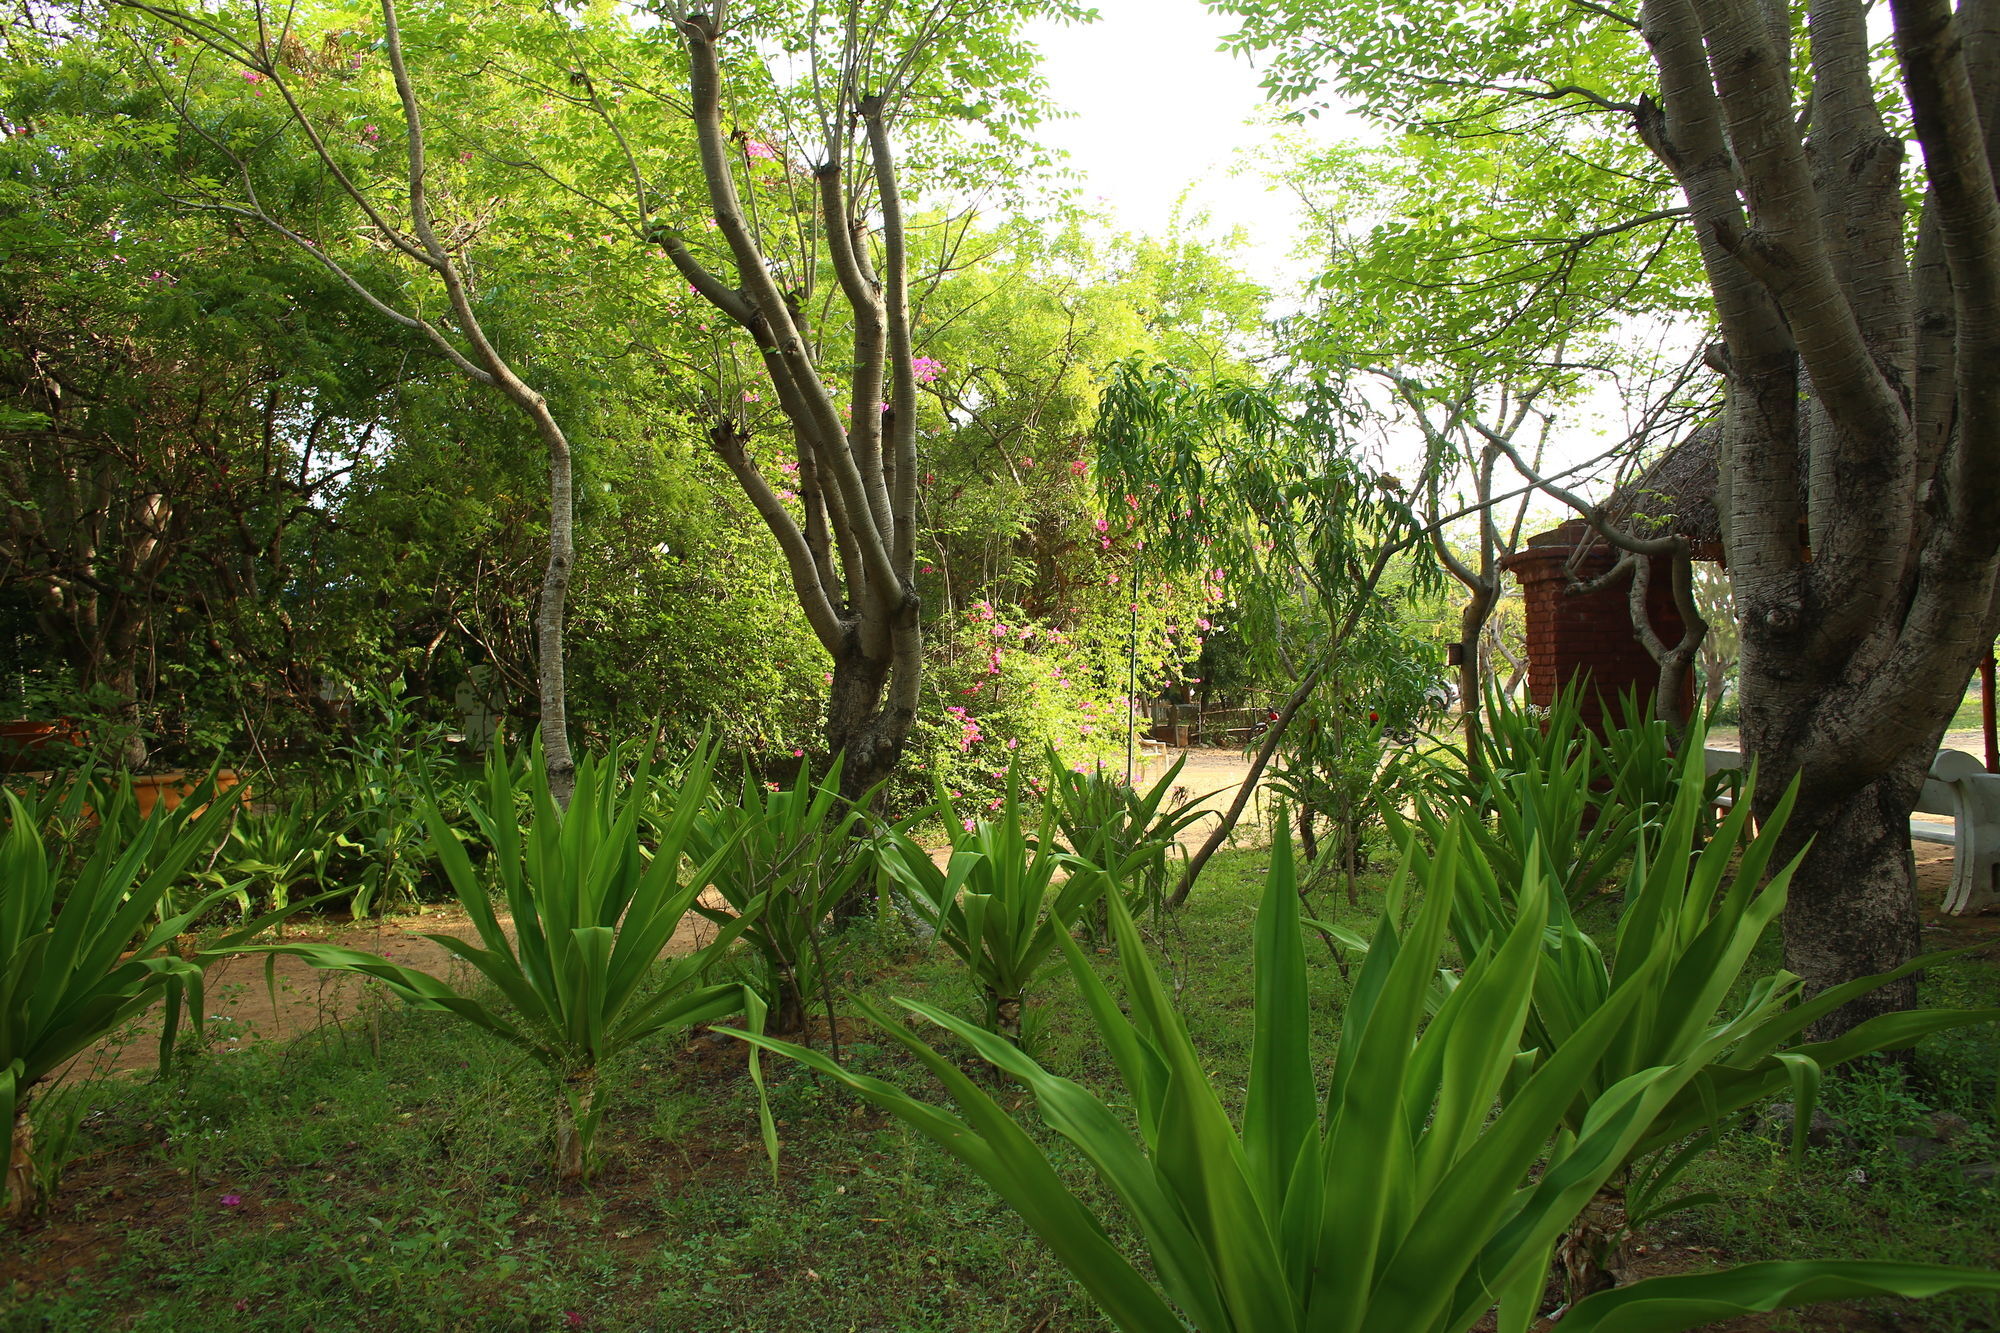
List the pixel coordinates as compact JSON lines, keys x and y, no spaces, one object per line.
{"x":392,"y":1176}
{"x":1970,"y":716}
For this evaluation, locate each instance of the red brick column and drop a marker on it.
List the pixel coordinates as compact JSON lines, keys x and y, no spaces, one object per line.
{"x":1571,"y":634}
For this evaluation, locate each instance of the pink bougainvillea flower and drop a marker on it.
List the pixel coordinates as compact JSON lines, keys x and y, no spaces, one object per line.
{"x":926,"y":368}
{"x":758,"y":148}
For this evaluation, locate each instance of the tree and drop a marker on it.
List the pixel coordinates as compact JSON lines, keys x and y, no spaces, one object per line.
{"x":852,"y":542}
{"x":1269,"y":495}
{"x":1855,"y":291}
{"x":396,"y":199}
{"x":1451,"y":276}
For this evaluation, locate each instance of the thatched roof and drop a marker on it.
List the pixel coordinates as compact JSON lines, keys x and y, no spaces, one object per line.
{"x":1674,"y":495}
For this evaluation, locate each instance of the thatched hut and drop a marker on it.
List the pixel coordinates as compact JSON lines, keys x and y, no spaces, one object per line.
{"x":1575,"y":633}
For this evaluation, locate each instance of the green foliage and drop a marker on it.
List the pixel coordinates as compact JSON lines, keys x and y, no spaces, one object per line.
{"x":1120,"y":832}
{"x":574,"y":970}
{"x":784,"y":860}
{"x":1402,"y":1200}
{"x":396,"y":766}
{"x":84,"y":952}
{"x":1003,"y":685}
{"x":1545,"y":780}
{"x":1536,"y":774}
{"x":1694,"y":912}
{"x":270,"y":852}
{"x":1356,"y":740}
{"x":995,"y":902}
{"x":1268,"y":495}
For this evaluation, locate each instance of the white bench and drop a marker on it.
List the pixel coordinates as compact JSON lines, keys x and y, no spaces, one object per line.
{"x":1958,"y":789}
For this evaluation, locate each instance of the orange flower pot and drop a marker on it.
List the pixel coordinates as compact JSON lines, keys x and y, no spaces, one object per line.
{"x":170,"y":789}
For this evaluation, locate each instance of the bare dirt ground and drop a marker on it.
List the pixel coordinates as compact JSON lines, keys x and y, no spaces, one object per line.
{"x":240,"y":996}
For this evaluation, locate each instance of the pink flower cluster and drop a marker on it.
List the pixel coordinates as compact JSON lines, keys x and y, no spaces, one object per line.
{"x":969,"y":733}
{"x":926,"y":368}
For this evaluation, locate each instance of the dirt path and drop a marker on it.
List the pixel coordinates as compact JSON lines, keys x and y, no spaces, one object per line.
{"x":239,"y":1005}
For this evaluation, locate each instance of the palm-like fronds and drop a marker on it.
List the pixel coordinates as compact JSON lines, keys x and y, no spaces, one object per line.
{"x":1397,"y":1197}
{"x":580,"y":972}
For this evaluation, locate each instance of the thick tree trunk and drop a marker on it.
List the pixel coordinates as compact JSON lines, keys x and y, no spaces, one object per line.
{"x":1853,"y":909}
{"x":870,"y":705}
{"x":858,"y":726}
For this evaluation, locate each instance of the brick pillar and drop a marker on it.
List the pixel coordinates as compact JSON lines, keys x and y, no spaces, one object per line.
{"x":1575,"y":633}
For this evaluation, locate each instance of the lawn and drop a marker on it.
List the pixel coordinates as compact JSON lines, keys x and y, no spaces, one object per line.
{"x":390,"y":1172}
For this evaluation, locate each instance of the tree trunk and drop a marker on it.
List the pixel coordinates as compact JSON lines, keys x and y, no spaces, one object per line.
{"x":1472,"y":618}
{"x":1852,"y":910}
{"x":868,"y":721}
{"x":549,"y":647}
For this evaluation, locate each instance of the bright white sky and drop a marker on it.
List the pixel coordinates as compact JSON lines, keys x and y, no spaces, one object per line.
{"x":1159,"y":111}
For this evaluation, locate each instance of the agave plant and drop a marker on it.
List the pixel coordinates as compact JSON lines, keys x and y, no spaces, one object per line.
{"x":796,"y":856}
{"x":577,"y":967}
{"x":1542,"y":780}
{"x":269,"y":853}
{"x":83,"y":956}
{"x":997,"y":902}
{"x":1397,"y":1197}
{"x":1120,"y":831}
{"x":1692,"y":918}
